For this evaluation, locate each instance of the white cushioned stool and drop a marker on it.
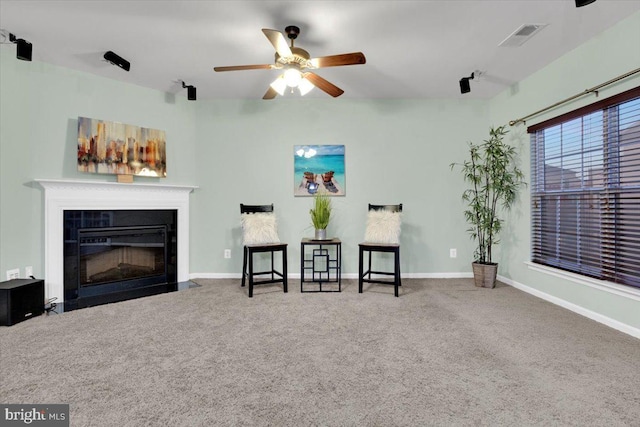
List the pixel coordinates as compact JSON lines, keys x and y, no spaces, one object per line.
{"x":260,"y":234}
{"x":382,"y":235}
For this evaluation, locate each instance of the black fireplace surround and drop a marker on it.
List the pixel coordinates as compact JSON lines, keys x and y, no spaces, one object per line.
{"x":114,"y":255}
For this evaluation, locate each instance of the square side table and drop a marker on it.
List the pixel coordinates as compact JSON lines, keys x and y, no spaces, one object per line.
{"x":321,"y":263}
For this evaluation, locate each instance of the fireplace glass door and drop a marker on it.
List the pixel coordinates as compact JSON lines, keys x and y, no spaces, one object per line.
{"x":114,"y":255}
{"x":121,"y":255}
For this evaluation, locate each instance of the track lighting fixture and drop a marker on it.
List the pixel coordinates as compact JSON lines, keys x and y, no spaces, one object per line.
{"x":191,"y":91}
{"x":465,"y":87}
{"x":117,"y":60}
{"x":24,"y":49}
{"x":580,"y":3}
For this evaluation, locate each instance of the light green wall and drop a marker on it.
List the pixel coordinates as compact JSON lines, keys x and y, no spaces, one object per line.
{"x":242,"y":152}
{"x":396,"y":152}
{"x":613,"y":53}
{"x":39,"y":106}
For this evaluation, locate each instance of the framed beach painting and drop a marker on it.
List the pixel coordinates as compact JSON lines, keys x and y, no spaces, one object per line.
{"x":318,"y":168}
{"x":121,"y":149}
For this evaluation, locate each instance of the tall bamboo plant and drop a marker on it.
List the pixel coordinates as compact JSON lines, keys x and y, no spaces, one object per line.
{"x":494,"y":180}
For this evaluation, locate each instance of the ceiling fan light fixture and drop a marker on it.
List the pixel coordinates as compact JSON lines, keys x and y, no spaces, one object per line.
{"x":293,"y":77}
{"x":279,"y":85}
{"x":305,"y":86}
{"x":295,"y":63}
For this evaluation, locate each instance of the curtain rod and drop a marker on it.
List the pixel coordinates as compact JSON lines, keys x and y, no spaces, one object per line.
{"x":571,"y":98}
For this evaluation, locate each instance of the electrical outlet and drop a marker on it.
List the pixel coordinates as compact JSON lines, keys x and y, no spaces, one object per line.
{"x":13,"y":274}
{"x":227,"y":253}
{"x":453,"y":253}
{"x":28,"y":271}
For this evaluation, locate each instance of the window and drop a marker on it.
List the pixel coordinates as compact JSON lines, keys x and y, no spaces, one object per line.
{"x":585,"y":190}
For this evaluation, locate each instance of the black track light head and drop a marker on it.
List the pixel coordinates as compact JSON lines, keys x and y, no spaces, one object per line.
{"x":465,"y":87}
{"x":117,"y":60}
{"x":24,"y":51}
{"x":191,"y":91}
{"x":24,"y":48}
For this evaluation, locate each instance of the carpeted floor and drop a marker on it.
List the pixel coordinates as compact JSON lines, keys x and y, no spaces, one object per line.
{"x":444,"y":353}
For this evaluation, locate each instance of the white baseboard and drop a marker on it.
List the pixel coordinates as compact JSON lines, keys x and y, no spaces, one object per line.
{"x":344,"y":275}
{"x":215,"y":276}
{"x":612,"y":323}
{"x":457,"y":275}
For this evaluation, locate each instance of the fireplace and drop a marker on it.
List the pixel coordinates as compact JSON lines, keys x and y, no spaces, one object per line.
{"x":98,"y":205}
{"x":111,"y":255}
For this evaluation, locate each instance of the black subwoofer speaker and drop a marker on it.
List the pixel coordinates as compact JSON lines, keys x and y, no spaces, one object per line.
{"x":20,"y":299}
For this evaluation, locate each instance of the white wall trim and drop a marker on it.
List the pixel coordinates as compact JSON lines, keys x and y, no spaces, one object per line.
{"x":61,"y":195}
{"x":344,"y":276}
{"x":612,"y":323}
{"x":601,"y":285}
{"x":216,"y":276}
{"x":444,"y":275}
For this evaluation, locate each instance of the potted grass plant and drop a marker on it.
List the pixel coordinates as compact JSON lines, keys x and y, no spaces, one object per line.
{"x":320,"y":214}
{"x":494,"y":182}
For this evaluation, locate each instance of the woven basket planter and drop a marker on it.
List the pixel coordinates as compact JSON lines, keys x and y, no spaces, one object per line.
{"x":484,"y":275}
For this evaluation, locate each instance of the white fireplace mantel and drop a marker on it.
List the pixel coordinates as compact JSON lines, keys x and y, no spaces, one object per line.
{"x":61,"y":195}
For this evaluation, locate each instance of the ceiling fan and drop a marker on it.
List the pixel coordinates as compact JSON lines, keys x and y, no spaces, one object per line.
{"x":297,"y":63}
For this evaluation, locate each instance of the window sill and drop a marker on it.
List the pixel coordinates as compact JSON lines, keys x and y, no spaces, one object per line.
{"x":612,"y":288}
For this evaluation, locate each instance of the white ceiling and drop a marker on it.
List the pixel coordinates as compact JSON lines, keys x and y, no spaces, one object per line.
{"x":414,"y":49}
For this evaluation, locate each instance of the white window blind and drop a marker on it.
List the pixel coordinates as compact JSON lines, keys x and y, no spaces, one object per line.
{"x":586,"y":190}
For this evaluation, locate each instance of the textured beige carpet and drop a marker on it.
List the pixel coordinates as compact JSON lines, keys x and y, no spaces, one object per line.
{"x":444,"y":353}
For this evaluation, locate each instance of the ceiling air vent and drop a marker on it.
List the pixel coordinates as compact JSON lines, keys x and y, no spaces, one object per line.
{"x":521,"y":35}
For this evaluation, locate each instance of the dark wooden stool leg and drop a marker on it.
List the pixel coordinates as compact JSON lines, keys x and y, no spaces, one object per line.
{"x":250,"y":256}
{"x":284,"y":268}
{"x":273,"y":276}
{"x":399,"y":275}
{"x":360,"y":265}
{"x":396,"y":275}
{"x":244,"y":264}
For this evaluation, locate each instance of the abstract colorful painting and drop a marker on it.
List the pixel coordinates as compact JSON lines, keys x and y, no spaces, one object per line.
{"x":318,"y":168}
{"x":121,"y":149}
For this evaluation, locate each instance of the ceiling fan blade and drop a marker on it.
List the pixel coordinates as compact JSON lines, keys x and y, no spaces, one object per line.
{"x":337,"y":60}
{"x":244,"y":67}
{"x":324,"y":85}
{"x":270,"y":94}
{"x":278,"y":41}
